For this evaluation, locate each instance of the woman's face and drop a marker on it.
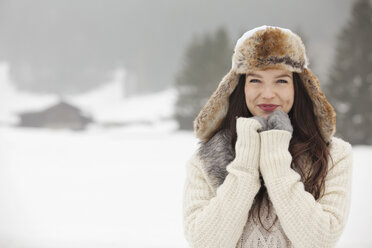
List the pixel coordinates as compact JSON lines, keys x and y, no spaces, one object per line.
{"x":269,"y":90}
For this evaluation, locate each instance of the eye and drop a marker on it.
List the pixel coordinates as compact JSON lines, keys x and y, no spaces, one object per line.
{"x":282,"y":81}
{"x":254,"y":80}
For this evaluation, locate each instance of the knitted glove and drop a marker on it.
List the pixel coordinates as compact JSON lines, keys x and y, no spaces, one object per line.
{"x":247,"y":146}
{"x":279,"y":120}
{"x":262,"y":120}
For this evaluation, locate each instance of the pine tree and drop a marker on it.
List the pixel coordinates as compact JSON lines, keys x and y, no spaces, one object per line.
{"x":205,"y":63}
{"x":350,"y":81}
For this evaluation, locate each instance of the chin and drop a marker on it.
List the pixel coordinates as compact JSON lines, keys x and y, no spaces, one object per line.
{"x":262,"y":114}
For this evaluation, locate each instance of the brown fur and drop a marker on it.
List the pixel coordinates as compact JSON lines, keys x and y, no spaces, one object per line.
{"x":271,"y":48}
{"x":326,"y":116}
{"x":267,"y":46}
{"x":215,"y":110}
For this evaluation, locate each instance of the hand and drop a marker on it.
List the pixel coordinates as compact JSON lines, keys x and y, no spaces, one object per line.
{"x":262,"y":120}
{"x":279,"y":120}
{"x":247,"y":146}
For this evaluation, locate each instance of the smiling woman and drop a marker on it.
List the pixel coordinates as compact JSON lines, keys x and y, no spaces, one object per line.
{"x":269,"y":171}
{"x":269,"y":90}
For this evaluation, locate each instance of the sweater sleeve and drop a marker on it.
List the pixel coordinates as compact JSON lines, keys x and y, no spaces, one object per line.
{"x":307,"y":222}
{"x":217,"y":219}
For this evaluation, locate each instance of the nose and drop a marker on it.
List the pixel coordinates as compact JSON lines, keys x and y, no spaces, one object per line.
{"x":268,"y":92}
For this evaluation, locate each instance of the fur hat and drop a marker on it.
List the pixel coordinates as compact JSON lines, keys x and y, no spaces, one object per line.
{"x":265,"y":47}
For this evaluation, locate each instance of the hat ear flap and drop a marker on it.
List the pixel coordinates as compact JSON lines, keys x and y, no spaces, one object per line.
{"x":323,"y":110}
{"x":214,"y":111}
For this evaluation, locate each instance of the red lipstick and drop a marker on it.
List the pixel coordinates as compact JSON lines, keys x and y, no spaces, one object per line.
{"x":268,"y":107}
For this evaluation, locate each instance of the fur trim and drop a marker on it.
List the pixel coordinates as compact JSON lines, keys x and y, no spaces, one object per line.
{"x":259,"y":49}
{"x":213,"y":113}
{"x":323,"y":110}
{"x":217,"y":153}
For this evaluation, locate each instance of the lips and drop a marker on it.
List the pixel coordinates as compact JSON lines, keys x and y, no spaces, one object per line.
{"x":268,"y":107}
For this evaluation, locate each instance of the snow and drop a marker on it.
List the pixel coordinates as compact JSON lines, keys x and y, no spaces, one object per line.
{"x":13,"y":101}
{"x":106,"y":104}
{"x":357,"y":232}
{"x":91,"y":189}
{"x":116,"y":187}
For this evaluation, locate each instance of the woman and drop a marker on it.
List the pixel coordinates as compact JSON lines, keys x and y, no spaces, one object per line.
{"x":268,"y":172}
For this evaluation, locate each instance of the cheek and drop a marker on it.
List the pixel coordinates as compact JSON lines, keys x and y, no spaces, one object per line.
{"x":250,"y":92}
{"x":249,"y":100}
{"x":290,"y":97}
{"x":249,"y":96}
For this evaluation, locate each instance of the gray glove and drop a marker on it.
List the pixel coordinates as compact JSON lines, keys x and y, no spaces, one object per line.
{"x":262,"y":120}
{"x":279,"y":120}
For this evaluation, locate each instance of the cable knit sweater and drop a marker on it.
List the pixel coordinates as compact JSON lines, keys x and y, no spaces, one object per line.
{"x":255,"y":235}
{"x":218,"y":216}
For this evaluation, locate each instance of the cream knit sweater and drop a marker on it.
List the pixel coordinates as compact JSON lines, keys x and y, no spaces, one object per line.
{"x":216,"y":217}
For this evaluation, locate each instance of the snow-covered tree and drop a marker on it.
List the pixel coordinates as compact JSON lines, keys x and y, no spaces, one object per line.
{"x":205,"y":63}
{"x":350,"y":78}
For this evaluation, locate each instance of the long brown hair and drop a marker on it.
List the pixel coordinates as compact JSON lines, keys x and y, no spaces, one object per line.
{"x":306,"y":144}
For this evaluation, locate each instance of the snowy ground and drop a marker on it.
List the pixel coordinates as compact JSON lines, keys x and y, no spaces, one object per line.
{"x":115,"y":188}
{"x":92,"y":189}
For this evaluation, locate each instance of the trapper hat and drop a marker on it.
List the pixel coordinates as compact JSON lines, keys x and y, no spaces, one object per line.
{"x":262,"y":48}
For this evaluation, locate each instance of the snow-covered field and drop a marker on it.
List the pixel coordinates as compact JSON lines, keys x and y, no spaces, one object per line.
{"x":92,"y":189}
{"x":116,"y":187}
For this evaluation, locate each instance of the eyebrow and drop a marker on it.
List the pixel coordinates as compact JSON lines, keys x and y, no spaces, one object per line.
{"x":256,"y":75}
